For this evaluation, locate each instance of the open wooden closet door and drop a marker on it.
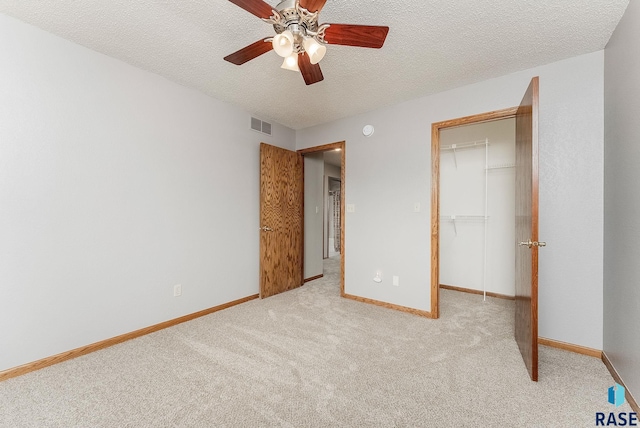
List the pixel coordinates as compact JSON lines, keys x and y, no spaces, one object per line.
{"x":527,"y":244}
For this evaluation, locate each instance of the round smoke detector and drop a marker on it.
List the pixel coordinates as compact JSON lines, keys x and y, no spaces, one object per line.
{"x":367,"y":131}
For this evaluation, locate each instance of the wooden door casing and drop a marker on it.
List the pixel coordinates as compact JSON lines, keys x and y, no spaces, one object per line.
{"x":281,"y":211}
{"x":526,"y":304}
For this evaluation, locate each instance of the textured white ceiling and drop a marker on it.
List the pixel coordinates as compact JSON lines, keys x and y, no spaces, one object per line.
{"x":433,"y":45}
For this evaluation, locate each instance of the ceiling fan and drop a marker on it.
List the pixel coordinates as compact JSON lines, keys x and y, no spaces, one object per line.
{"x":299,"y":39}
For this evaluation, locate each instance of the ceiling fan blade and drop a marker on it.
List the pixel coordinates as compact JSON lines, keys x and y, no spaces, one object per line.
{"x":365,"y":36}
{"x":250,"y":52}
{"x":310,"y":72}
{"x":257,"y":7}
{"x":313,"y":5}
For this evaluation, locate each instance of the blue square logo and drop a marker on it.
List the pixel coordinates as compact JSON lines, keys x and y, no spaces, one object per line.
{"x":616,"y":395}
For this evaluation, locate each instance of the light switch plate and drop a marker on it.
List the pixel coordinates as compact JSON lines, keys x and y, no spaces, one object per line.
{"x":351,"y":208}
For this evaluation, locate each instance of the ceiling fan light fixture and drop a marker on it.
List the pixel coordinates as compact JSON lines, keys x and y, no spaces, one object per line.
{"x":291,"y":63}
{"x":297,"y":31}
{"x":283,"y":43}
{"x":315,"y":50}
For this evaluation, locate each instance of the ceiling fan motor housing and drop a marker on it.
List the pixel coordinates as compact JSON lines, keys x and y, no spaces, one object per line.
{"x":298,"y":20}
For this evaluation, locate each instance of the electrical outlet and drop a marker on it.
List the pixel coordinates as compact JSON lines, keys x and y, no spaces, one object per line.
{"x":396,"y":281}
{"x":177,"y":290}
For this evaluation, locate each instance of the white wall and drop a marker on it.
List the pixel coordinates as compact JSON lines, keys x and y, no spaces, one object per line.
{"x":388,"y":172}
{"x":462,"y":193}
{"x":313,"y":208}
{"x":115,"y":185}
{"x":622,"y":199}
{"x":331,"y":171}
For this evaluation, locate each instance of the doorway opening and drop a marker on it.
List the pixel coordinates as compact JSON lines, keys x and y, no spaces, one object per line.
{"x":444,"y":139}
{"x":526,"y":217}
{"x":477,"y":208}
{"x":324,"y":208}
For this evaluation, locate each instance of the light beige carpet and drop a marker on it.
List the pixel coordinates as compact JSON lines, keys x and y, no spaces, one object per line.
{"x":309,"y":358}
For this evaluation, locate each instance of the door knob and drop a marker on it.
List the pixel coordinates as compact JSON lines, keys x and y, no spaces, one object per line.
{"x":265,"y":229}
{"x":531,"y":243}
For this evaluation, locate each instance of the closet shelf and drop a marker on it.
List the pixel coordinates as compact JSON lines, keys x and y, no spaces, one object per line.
{"x":463,"y":218}
{"x":469,"y":145}
{"x":462,"y":146}
{"x":501,"y":166}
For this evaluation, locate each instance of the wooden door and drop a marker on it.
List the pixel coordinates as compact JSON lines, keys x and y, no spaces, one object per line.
{"x":281,"y":221}
{"x":526,"y":312}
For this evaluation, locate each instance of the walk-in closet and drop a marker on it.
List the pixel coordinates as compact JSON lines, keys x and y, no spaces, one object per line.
{"x":477,"y":208}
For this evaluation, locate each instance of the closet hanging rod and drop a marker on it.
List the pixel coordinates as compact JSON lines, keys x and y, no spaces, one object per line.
{"x":469,"y":145}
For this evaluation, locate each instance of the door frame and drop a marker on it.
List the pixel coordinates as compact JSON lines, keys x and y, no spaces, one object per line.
{"x":436,"y":127}
{"x":324,"y":148}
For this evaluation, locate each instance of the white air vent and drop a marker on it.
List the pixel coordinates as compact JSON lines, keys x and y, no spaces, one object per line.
{"x":256,"y":124}
{"x":266,"y":128}
{"x":260,"y":126}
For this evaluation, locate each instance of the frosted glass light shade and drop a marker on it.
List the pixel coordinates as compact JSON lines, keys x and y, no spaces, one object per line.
{"x":283,"y":43}
{"x":314,"y":49}
{"x":291,"y":63}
